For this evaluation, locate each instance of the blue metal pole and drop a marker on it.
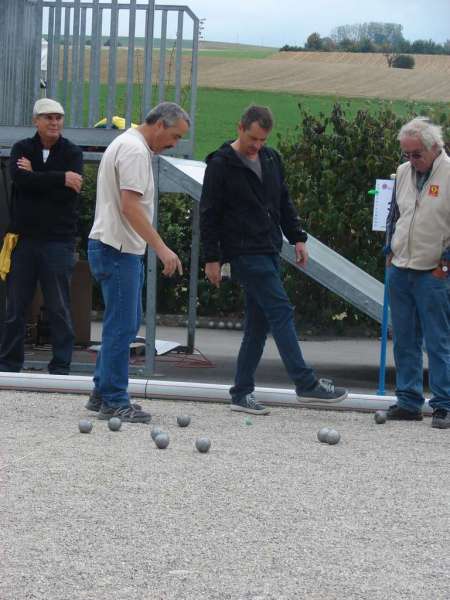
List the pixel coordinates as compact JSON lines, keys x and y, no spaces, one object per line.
{"x":384,"y":333}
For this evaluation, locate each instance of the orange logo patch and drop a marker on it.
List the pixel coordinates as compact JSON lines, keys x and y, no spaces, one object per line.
{"x":433,"y":191}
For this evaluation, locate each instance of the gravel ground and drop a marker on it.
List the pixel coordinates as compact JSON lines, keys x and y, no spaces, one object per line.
{"x":268,"y":513}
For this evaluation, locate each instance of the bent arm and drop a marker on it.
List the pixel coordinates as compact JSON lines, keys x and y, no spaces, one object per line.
{"x":136,"y":216}
{"x":41,"y":181}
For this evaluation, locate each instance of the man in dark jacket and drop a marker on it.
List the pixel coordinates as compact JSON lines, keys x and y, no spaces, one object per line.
{"x":245,"y":208}
{"x":46,"y":176}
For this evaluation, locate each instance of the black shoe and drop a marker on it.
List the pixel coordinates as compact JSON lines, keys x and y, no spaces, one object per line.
{"x":441,"y":418}
{"x":127,"y":414}
{"x":397,"y":413}
{"x":95,"y":402}
{"x":248,"y":404}
{"x":325,"y":392}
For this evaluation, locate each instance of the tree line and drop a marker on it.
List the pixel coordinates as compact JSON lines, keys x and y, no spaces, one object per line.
{"x":385,"y":38}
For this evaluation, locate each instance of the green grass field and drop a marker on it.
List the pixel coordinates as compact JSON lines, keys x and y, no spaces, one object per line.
{"x":218,"y":111}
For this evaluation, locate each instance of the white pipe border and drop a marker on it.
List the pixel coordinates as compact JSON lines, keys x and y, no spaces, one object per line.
{"x":187,"y":391}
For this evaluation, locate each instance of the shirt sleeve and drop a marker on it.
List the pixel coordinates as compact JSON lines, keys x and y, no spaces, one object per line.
{"x":211,"y":211}
{"x":132,"y":167}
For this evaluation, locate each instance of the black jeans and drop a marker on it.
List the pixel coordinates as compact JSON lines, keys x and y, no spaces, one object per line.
{"x":52,"y":264}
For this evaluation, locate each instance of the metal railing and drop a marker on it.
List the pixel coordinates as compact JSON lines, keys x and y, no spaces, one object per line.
{"x":93,"y":70}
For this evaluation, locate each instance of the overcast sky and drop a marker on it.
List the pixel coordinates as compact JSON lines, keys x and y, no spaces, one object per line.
{"x":279,"y":22}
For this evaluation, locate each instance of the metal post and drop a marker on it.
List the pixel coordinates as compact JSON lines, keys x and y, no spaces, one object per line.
{"x":193,"y":277}
{"x":130,"y":64}
{"x":162,"y":57}
{"x":79,"y":103}
{"x":50,"y":57}
{"x":384,"y":333}
{"x":152,"y":277}
{"x":194,"y":75}
{"x":94,"y":74}
{"x":65,"y":85}
{"x":54,"y":51}
{"x":37,"y":43}
{"x":112,"y":64}
{"x":77,"y":82}
{"x":179,"y":57}
{"x":148,"y":58}
{"x":19,"y":21}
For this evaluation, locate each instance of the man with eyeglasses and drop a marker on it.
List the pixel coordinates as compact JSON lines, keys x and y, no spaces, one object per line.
{"x":418,"y":259}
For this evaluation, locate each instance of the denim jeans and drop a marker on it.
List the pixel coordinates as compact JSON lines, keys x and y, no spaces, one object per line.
{"x":121,"y":277}
{"x":420,"y":309}
{"x":267,"y":308}
{"x":51,"y":264}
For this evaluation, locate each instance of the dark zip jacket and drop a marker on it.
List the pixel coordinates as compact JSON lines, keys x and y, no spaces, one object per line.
{"x":43,"y":207}
{"x":239,"y":213}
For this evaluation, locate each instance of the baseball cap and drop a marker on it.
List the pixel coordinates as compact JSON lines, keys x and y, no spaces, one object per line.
{"x":46,"y":106}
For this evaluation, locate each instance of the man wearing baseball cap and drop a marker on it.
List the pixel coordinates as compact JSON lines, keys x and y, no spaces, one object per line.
{"x":46,"y":174}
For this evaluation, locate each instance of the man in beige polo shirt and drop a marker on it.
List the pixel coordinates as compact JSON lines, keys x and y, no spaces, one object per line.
{"x":117,"y":242}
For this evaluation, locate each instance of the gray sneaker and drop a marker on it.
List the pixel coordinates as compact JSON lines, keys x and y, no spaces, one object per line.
{"x":248,"y":404}
{"x":325,"y":392}
{"x":127,"y":414}
{"x":441,"y":418}
{"x":95,"y":402}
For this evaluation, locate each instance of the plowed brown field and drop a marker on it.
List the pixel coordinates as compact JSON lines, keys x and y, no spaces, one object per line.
{"x":336,"y":73}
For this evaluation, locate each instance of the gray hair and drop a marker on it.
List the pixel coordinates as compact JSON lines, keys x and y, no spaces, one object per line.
{"x":169,"y":113}
{"x":423,"y":129}
{"x":257,"y":114}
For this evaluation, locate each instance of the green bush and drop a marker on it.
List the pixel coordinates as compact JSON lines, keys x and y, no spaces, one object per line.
{"x":403,"y":61}
{"x":175,"y":227}
{"x":331,"y":163}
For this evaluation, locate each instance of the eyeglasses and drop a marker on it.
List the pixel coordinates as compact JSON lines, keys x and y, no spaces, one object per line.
{"x":413,"y":155}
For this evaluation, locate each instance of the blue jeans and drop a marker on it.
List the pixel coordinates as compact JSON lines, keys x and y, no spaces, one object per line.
{"x":420,"y":309}
{"x":121,"y":277}
{"x":267,"y":308}
{"x":51,"y":264}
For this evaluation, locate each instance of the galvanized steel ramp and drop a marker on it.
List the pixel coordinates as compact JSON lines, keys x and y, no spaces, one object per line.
{"x":325,"y":266}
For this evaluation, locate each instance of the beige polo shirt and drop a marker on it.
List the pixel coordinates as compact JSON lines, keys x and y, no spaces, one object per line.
{"x":125,"y":165}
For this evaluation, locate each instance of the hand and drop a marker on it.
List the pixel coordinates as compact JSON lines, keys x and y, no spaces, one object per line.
{"x":389,"y":259}
{"x":301,"y":254}
{"x":212,"y":272}
{"x":24,"y":164}
{"x":170,"y":261}
{"x":73,"y":181}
